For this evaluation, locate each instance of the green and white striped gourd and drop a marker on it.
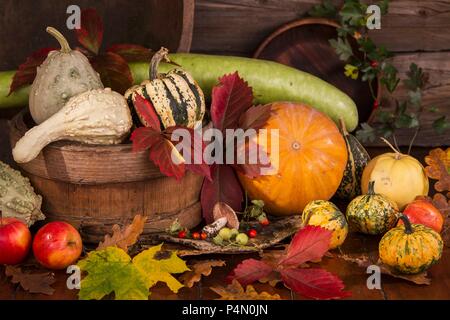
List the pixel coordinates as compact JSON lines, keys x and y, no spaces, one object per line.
{"x":358,"y":158}
{"x":175,"y":96}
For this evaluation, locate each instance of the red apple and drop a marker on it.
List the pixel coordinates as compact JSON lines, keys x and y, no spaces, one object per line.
{"x":15,"y":241}
{"x":424,"y":212}
{"x":57,"y":245}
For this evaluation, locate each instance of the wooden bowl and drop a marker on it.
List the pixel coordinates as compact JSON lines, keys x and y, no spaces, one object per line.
{"x":95,"y":187}
{"x":303,"y":44}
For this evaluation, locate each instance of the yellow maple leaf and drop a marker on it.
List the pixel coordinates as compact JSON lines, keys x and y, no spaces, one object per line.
{"x":158,"y":265}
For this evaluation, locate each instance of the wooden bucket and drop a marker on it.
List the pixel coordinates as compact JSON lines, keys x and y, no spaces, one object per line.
{"x":95,"y":187}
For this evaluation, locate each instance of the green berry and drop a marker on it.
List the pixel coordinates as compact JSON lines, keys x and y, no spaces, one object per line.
{"x":234,"y":233}
{"x":242,"y":239}
{"x":225,"y":233}
{"x":218,"y":240}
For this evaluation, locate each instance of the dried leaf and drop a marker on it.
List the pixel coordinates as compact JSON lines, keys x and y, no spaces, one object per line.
{"x":235,"y":291}
{"x":126,"y":236}
{"x":199,"y":269}
{"x":363,"y":261}
{"x":114,"y":71}
{"x":309,"y":244}
{"x":27,"y":70}
{"x":229,"y":100}
{"x":438,"y":168}
{"x":90,"y":33}
{"x":249,"y":271}
{"x":314,"y":283}
{"x":224,"y":187}
{"x":131,"y":52}
{"x":272,"y":279}
{"x":32,"y":282}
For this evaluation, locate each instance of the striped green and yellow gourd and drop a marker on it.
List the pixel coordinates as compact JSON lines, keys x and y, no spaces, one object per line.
{"x":410,"y":248}
{"x":371,"y":213}
{"x":326,"y":215}
{"x":175,"y":96}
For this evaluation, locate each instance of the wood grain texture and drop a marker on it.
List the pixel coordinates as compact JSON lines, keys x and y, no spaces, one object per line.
{"x":237,"y":27}
{"x":152,"y":23}
{"x":95,"y":187}
{"x":436,"y":93}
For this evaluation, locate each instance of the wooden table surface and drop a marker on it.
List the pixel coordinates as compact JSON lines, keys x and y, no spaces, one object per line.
{"x":352,"y":275}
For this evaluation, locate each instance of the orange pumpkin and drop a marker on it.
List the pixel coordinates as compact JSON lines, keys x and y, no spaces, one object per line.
{"x":310,"y":164}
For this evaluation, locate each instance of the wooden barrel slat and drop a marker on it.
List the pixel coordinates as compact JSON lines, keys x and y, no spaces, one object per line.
{"x":95,"y":187}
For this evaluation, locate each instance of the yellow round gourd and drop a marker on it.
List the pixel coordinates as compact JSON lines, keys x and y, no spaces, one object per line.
{"x":397,"y":176}
{"x":326,"y":215}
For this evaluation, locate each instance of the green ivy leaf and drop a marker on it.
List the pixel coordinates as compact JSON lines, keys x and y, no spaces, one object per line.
{"x":384,"y":6}
{"x":415,"y":97}
{"x":416,"y":78}
{"x":406,"y":121}
{"x":366,"y":133}
{"x":389,"y":77}
{"x":441,"y":125}
{"x":326,"y":9}
{"x":353,"y":13}
{"x":342,"y":48}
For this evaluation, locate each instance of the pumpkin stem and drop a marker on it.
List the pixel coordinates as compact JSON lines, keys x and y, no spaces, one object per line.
{"x":156,"y":59}
{"x":343,"y":127}
{"x":371,"y":190}
{"x":397,"y":152}
{"x":407,"y":223}
{"x":65,"y":48}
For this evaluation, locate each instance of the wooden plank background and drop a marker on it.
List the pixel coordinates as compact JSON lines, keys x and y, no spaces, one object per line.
{"x":416,"y":30}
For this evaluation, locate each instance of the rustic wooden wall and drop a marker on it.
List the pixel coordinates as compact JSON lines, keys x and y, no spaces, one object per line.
{"x":416,"y":30}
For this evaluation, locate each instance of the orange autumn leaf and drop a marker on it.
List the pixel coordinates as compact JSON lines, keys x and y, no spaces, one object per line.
{"x":235,"y":291}
{"x":126,"y":236}
{"x":438,"y":168}
{"x":199,"y":269}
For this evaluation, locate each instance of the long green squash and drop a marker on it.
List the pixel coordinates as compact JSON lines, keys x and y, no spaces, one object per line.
{"x":270,"y":81}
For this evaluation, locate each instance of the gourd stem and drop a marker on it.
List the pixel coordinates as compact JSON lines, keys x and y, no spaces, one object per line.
{"x":343,"y":127}
{"x":156,"y":59}
{"x":407,"y":223}
{"x":397,"y":152}
{"x":65,"y":48}
{"x":371,"y":190}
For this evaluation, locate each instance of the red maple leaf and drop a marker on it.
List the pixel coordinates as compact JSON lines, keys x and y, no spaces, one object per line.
{"x":90,"y":33}
{"x":114,"y":71}
{"x":147,"y":112}
{"x":230,"y":99}
{"x":249,"y":271}
{"x":27,"y":71}
{"x":308,"y":244}
{"x":131,"y":52}
{"x":314,"y":283}
{"x":224,"y":187}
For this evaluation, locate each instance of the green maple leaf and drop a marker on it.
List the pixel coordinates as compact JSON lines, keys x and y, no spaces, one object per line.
{"x":326,"y":9}
{"x":110,"y":270}
{"x":158,"y":265}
